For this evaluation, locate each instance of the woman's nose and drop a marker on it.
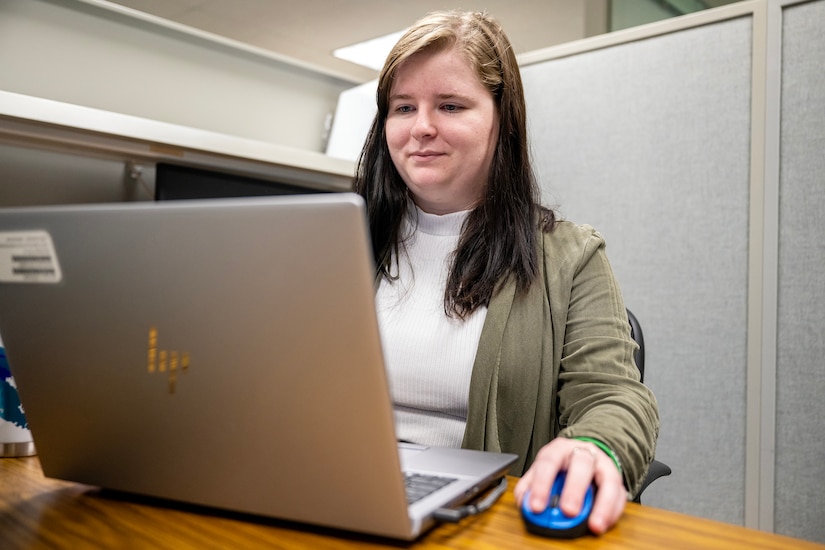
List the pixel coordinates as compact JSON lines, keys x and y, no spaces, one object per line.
{"x":423,"y":126}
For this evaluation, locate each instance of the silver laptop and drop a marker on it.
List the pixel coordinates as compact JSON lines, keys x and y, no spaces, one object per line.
{"x":218,"y":352}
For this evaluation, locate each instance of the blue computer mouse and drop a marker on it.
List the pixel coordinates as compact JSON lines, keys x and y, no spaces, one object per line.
{"x":552,"y":522}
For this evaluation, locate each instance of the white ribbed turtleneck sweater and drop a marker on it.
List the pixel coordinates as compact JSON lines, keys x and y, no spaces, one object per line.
{"x":429,"y":356}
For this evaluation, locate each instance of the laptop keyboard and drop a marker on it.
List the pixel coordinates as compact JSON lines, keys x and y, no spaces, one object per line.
{"x":420,"y":485}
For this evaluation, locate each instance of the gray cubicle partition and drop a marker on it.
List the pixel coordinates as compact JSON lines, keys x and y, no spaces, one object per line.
{"x":697,"y":147}
{"x":649,"y":141}
{"x":800,"y":392}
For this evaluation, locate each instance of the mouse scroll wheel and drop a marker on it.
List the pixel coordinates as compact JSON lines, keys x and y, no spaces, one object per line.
{"x":554,"y":501}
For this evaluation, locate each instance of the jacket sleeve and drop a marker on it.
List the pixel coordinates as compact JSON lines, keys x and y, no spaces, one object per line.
{"x":599,"y":392}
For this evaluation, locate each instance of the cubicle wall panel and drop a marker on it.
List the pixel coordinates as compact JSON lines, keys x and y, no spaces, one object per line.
{"x":649,"y":141}
{"x":800,"y":437}
{"x":30,"y":176}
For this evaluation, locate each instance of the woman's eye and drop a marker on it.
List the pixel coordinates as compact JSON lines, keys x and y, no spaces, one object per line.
{"x":404,"y":109}
{"x":451,"y":108}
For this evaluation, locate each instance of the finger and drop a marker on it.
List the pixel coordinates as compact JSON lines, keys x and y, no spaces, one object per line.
{"x":542,"y":475}
{"x":608,"y":507}
{"x":522,"y":485}
{"x":610,"y":499}
{"x":580,"y":472}
{"x":540,"y":487}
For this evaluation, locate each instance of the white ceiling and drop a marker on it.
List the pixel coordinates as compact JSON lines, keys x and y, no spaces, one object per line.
{"x":309,"y":30}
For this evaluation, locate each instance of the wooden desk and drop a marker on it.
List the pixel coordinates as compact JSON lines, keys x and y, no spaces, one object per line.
{"x":36,"y":512}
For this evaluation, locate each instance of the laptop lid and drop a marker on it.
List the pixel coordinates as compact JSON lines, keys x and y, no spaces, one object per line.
{"x":218,"y":352}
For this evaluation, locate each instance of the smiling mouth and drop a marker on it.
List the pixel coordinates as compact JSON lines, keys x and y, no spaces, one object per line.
{"x":425,"y":155}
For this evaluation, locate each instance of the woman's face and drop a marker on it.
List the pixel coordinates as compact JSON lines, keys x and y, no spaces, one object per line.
{"x":442,"y":128}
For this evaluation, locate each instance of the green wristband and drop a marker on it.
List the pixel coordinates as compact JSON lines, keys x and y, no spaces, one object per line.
{"x":607,"y":450}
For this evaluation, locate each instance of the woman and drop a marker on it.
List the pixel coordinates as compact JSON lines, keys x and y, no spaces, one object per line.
{"x":504,"y":328}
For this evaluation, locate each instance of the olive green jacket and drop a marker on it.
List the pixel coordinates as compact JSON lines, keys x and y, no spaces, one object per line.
{"x":557,"y":360}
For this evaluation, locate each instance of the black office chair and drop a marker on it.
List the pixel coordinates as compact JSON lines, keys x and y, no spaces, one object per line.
{"x":657,"y":469}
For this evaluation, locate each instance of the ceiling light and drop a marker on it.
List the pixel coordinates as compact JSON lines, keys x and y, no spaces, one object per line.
{"x":370,"y":53}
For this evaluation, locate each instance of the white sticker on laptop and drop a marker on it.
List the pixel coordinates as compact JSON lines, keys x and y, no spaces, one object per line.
{"x":28,"y":257}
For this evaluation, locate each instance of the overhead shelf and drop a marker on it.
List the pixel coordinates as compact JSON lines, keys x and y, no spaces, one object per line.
{"x":43,"y":123}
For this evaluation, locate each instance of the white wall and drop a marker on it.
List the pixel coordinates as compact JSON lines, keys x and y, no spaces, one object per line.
{"x":83,"y":54}
{"x":353,"y":117}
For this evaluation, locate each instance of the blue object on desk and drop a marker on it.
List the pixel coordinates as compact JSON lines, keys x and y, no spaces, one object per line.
{"x":10,"y":408}
{"x":552,"y":522}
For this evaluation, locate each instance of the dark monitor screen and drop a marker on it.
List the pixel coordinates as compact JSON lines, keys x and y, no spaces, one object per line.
{"x":174,"y":182}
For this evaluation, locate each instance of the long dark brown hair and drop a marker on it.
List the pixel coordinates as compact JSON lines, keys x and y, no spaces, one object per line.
{"x":499,"y":238}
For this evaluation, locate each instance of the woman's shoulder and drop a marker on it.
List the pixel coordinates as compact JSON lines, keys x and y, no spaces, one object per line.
{"x":566,"y":250}
{"x":567,"y":235}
